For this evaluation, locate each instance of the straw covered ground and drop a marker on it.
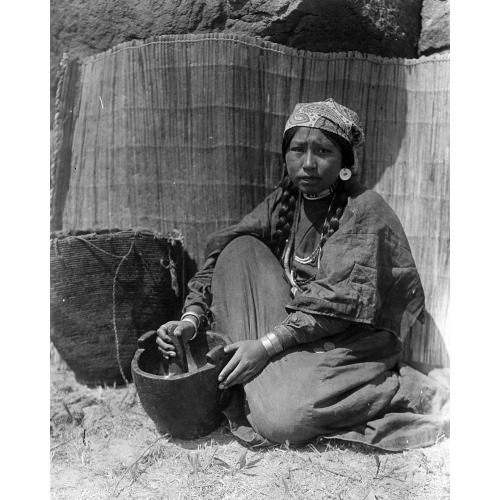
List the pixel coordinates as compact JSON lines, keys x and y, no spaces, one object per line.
{"x":103,"y":445}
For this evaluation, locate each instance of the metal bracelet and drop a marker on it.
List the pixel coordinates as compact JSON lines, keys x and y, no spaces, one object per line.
{"x":189,"y":317}
{"x":275,"y":342}
{"x":192,"y":319}
{"x":268,"y":346}
{"x":196,"y":315}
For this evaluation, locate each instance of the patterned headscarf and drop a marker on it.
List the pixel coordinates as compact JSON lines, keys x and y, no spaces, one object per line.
{"x":328,"y":115}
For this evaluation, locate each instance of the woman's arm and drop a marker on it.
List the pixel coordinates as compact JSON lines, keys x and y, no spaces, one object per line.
{"x":199,"y":298}
{"x":251,"y":356}
{"x":196,"y":310}
{"x":257,"y":223}
{"x":301,"y":328}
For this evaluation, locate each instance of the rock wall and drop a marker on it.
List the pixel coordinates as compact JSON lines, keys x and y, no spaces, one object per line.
{"x":435,"y":34}
{"x":388,"y":28}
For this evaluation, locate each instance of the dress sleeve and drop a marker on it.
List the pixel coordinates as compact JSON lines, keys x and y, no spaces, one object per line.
{"x":257,"y":223}
{"x":300,"y":328}
{"x":367,"y":274}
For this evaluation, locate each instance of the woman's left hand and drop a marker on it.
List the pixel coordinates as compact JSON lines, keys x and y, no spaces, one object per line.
{"x":249,"y":358}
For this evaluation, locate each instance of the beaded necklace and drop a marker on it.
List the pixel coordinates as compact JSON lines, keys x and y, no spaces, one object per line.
{"x":319,"y":196}
{"x":313,"y":257}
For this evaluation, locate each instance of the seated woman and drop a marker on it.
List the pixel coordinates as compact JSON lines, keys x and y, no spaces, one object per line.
{"x":315,"y":288}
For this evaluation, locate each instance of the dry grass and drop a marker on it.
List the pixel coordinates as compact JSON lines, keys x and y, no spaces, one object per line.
{"x":104,"y":446}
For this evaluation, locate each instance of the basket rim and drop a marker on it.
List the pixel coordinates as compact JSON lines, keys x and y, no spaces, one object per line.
{"x":174,"y":236}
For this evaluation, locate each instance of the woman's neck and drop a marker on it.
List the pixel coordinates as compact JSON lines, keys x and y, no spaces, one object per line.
{"x":318,"y":196}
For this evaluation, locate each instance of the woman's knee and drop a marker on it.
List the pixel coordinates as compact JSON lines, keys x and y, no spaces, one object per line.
{"x":242,"y":244}
{"x":280,"y":422}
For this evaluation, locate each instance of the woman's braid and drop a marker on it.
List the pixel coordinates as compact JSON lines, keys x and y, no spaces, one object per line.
{"x":332,"y":222}
{"x":285,"y":216}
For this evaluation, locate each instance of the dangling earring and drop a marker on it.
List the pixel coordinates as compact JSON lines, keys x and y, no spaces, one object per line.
{"x":345,"y":173}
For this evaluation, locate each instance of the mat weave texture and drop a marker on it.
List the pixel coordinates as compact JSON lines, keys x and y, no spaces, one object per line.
{"x":107,"y":288}
{"x":184,"y":131}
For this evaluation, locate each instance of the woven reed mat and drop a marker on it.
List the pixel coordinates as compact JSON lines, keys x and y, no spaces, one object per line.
{"x":107,"y":288}
{"x":185,"y":132}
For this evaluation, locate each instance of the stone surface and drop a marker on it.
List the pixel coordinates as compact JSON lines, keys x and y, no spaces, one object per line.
{"x":435,"y":35}
{"x":388,"y":28}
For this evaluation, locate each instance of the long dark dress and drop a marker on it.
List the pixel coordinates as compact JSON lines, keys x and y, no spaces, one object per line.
{"x":340,"y":373}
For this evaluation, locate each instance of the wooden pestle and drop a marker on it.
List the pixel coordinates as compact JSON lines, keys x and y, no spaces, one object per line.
{"x":177,"y":364}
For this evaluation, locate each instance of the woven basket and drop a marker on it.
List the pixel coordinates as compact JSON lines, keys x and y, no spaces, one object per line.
{"x":106,"y":289}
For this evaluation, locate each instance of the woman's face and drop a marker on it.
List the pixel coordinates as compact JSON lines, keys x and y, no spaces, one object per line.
{"x":313,"y":161}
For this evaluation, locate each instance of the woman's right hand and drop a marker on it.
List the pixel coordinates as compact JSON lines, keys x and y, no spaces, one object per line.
{"x":184,"y":329}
